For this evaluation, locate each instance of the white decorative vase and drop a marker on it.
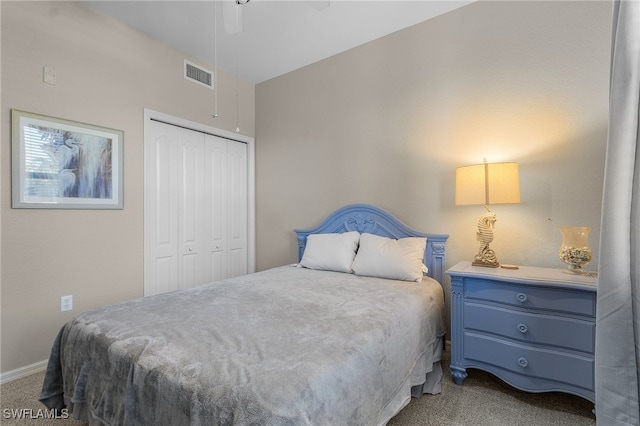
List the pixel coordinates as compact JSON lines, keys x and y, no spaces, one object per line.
{"x":574,"y":250}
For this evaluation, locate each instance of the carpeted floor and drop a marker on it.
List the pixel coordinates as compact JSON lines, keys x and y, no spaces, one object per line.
{"x":482,"y":401}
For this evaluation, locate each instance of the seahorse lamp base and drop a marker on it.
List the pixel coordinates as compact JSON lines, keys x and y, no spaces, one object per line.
{"x":486,"y":264}
{"x":486,"y":256}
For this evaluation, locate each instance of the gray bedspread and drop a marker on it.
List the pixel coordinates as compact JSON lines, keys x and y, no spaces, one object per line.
{"x":287,"y":346}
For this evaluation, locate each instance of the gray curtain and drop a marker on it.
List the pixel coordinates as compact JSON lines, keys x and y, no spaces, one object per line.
{"x":618,"y":307}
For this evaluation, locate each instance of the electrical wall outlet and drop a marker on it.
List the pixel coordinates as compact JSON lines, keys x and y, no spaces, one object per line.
{"x":66,"y":303}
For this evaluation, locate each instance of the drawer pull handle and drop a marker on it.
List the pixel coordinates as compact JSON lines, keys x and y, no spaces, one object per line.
{"x":521,"y":297}
{"x":522,"y":328}
{"x":522,"y":362}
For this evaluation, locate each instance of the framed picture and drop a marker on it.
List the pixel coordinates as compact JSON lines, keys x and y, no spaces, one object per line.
{"x":62,"y":164}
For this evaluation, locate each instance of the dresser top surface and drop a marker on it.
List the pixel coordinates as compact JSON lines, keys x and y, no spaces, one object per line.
{"x":526,"y":275}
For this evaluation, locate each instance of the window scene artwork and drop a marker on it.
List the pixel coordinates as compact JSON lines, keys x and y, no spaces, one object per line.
{"x":63,"y":164}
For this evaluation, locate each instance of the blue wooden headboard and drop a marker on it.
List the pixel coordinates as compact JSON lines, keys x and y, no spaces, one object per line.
{"x":365,"y":218}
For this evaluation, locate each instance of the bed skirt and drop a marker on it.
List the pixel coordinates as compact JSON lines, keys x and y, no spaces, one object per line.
{"x":432,"y":385}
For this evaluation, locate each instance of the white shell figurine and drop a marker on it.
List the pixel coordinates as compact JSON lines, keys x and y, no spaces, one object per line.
{"x":574,"y":250}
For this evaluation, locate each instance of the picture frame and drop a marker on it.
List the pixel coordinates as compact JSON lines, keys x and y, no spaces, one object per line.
{"x":64,"y":164}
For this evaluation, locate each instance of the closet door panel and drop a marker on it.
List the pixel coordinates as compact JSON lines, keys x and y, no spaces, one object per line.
{"x":216,"y":193}
{"x":163,"y":226}
{"x":165,"y":273}
{"x":217,"y":266}
{"x":165,"y":198}
{"x":237,"y":160}
{"x":190,"y":215}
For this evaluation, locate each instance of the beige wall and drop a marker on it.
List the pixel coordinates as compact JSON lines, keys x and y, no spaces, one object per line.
{"x":106,"y":75}
{"x":387,"y":123}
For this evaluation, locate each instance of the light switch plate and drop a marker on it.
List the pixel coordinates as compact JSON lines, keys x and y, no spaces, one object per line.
{"x":49,"y":76}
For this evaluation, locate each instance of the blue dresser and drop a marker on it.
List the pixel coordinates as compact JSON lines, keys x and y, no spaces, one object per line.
{"x":534,"y":328}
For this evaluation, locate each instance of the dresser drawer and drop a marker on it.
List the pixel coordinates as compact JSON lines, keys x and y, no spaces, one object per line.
{"x":528,"y":361}
{"x":531,"y":296}
{"x":541,"y":329}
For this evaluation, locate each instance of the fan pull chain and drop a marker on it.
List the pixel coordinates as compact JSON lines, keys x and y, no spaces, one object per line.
{"x":215,"y":59}
{"x":237,"y":96}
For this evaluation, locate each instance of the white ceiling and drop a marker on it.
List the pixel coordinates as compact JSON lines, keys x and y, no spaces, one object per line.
{"x":278,"y":37}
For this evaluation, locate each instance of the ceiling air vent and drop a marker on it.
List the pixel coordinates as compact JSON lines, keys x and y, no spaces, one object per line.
{"x":198,"y":74}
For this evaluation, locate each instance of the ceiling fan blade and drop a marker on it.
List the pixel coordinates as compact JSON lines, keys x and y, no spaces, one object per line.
{"x":319,"y":5}
{"x":232,"y":17}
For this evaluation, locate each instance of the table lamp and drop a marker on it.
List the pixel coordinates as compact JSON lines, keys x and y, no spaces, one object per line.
{"x":485,"y":184}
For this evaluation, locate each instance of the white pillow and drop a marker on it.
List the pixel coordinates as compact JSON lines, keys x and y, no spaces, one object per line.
{"x":330,"y":252}
{"x":388,"y":258}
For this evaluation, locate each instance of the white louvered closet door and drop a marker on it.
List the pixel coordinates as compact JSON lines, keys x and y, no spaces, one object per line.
{"x":197,"y":226}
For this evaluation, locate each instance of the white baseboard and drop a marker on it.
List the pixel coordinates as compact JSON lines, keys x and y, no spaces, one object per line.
{"x":25,"y":371}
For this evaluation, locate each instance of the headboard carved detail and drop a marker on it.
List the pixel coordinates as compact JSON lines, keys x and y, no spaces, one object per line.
{"x":360,"y":222}
{"x":438,"y":248}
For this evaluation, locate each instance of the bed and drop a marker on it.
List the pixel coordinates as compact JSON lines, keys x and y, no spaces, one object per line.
{"x":343,"y":337}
